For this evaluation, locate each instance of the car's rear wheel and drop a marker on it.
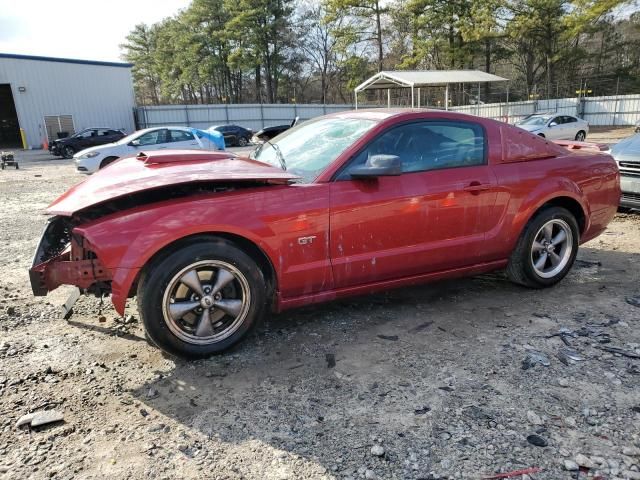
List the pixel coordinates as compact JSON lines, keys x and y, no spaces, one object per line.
{"x":202,"y":298}
{"x":546,"y":249}
{"x":107,"y":161}
{"x":68,"y":152}
{"x":580,"y":136}
{"x":243,"y":142}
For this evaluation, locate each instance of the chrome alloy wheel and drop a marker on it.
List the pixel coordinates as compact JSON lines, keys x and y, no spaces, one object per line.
{"x":206,"y":302}
{"x":551,"y":248}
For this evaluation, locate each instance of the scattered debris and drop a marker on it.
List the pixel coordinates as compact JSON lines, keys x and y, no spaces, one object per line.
{"x":393,"y":338}
{"x":534,"y":358}
{"x":37,"y":419}
{"x":568,"y":356}
{"x":534,"y":418}
{"x":377,"y":451}
{"x":619,"y":351}
{"x":331,"y":360}
{"x":422,"y":410}
{"x":421,"y":327}
{"x":537,"y":440}
{"x":635,"y":301}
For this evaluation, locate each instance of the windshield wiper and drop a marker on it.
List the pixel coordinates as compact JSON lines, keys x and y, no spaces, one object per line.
{"x":276,"y":148}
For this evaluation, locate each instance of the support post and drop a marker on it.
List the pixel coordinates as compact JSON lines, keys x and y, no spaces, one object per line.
{"x":418,"y":97}
{"x":388,"y":98}
{"x":412,"y":96}
{"x":446,"y":97}
{"x":478,"y":101}
{"x":507,"y":103}
{"x":356,"y":97}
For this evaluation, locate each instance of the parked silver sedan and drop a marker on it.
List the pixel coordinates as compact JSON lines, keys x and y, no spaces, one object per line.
{"x":556,"y":127}
{"x":627,"y":155}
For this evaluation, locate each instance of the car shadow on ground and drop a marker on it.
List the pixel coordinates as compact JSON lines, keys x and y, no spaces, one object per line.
{"x":389,"y":368}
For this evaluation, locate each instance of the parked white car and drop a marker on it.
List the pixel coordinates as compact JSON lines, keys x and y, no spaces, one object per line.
{"x":556,"y":127}
{"x":158,"y":138}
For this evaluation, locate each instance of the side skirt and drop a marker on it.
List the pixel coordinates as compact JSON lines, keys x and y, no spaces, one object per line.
{"x":321,"y":297}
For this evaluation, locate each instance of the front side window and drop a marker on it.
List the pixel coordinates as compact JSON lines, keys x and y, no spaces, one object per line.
{"x":309,"y":148}
{"x":429,"y":145}
{"x":152,"y":138}
{"x":534,"y":121}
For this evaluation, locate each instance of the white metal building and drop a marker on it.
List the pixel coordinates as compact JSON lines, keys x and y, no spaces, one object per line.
{"x":43,"y":96}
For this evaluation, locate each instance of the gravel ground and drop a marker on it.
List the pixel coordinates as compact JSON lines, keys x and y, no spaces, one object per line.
{"x":460,"y":379}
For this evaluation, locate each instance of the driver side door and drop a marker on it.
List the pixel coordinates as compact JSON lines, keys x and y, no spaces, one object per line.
{"x":433,"y":217}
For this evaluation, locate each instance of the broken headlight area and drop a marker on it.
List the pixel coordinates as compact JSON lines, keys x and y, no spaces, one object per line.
{"x":66,"y":258}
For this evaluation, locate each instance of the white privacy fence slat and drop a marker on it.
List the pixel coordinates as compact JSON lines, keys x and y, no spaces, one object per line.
{"x":611,"y":110}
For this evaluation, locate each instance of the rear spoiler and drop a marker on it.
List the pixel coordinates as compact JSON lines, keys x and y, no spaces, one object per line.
{"x":573,"y":145}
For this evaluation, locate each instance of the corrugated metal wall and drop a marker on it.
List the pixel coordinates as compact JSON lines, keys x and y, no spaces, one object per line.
{"x":96,"y":95}
{"x":614,"y":110}
{"x":253,"y":116}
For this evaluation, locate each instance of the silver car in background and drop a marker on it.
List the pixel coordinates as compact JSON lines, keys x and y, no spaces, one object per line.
{"x":555,"y":127}
{"x":627,"y":156}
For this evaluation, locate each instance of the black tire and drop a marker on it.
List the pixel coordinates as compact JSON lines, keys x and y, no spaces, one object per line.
{"x":17,"y":166}
{"x":68,"y":152}
{"x":156,"y":284}
{"x":243,"y":142}
{"x":107,"y":161}
{"x":521,"y":269}
{"x":541,"y":135}
{"x":581,"y":136}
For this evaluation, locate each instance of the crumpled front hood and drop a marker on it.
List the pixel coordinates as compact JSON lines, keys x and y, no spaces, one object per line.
{"x":162,"y":169}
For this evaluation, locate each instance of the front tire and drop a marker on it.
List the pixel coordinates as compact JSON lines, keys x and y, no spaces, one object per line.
{"x":106,"y":162}
{"x":243,"y":142}
{"x":546,"y":249}
{"x":68,"y":152}
{"x":202,"y":298}
{"x":581,"y":136}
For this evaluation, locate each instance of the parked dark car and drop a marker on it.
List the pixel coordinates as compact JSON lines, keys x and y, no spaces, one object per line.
{"x":89,"y":137}
{"x":234,"y":135}
{"x":267,"y":133}
{"x":627,"y":155}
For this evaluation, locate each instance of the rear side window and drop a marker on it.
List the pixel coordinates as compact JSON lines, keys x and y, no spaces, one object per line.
{"x":424,"y":146}
{"x":180,"y":136}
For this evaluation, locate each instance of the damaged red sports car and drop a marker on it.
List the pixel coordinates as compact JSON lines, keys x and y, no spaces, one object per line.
{"x":345,"y":204}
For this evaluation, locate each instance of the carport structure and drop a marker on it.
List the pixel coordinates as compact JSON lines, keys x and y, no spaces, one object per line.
{"x":415,"y":79}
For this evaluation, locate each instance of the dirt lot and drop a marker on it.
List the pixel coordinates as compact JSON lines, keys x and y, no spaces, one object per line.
{"x":427,"y":382}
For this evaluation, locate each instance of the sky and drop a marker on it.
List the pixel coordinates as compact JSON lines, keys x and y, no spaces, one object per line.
{"x":83,"y":29}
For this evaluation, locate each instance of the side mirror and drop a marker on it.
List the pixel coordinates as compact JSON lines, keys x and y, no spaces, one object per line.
{"x":135,"y":143}
{"x":553,"y":124}
{"x":379,"y":166}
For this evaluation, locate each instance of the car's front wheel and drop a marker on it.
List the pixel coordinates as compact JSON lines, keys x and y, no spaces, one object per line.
{"x":68,"y":152}
{"x":242,"y":142}
{"x":580,"y":136}
{"x":202,"y":298}
{"x":546,"y":249}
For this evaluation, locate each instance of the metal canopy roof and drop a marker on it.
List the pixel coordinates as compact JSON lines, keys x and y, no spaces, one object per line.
{"x":424,"y":78}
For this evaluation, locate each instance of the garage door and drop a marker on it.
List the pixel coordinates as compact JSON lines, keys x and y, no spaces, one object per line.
{"x":56,"y":124}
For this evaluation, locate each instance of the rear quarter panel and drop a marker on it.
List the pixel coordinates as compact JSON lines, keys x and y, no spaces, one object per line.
{"x":524,"y":187}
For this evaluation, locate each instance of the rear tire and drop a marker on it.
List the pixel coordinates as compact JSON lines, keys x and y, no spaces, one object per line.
{"x":541,"y":257}
{"x":202,"y":298}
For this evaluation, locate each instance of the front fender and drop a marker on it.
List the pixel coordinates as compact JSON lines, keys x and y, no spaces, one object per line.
{"x":127,"y":241}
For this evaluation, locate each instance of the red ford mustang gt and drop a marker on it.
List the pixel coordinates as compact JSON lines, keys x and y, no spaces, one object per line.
{"x":345,"y":204}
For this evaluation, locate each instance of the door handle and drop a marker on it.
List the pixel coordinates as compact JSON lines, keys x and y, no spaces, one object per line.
{"x":476,"y":187}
